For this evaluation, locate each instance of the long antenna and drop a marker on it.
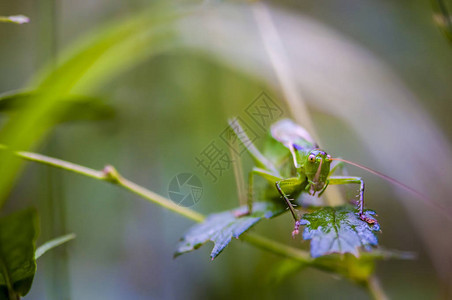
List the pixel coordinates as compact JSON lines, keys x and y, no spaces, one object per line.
{"x":421,"y":196}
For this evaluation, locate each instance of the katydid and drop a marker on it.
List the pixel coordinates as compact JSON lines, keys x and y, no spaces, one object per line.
{"x":297,"y":165}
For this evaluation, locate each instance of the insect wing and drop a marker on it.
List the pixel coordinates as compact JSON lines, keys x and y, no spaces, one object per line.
{"x":292,"y":135}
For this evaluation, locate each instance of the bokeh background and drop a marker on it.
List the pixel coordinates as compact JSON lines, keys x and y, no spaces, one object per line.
{"x":374,"y":78}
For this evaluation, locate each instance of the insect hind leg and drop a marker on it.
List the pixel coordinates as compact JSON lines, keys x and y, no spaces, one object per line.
{"x":260,"y":172}
{"x":293,"y":183}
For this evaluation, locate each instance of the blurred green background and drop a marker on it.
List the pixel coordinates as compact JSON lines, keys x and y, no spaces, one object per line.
{"x":376,"y":79}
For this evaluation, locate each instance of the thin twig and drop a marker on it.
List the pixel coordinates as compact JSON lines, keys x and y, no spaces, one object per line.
{"x":109,"y":174}
{"x":238,"y":174}
{"x":278,"y":58}
{"x":282,"y":67}
{"x":375,"y":289}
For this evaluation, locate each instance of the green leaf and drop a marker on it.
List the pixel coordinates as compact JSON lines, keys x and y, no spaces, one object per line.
{"x":339,"y":230}
{"x":442,"y":17}
{"x":83,"y":68}
{"x":74,"y":107}
{"x":283,"y":270}
{"x":18,"y":234}
{"x":18,"y":19}
{"x":356,"y":269}
{"x":221,"y":227}
{"x":52,"y":244}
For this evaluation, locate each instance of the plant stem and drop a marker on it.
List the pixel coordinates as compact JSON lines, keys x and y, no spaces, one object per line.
{"x":12,"y":295}
{"x":375,"y":289}
{"x":274,"y":46}
{"x":110,"y":174}
{"x":162,"y":201}
{"x":277,"y":248}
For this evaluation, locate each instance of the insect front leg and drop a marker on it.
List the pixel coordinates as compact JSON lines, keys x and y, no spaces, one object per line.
{"x":260,"y":172}
{"x":259,"y":159}
{"x":338,"y":165}
{"x":354,"y":180}
{"x":290,"y":185}
{"x":324,"y":187}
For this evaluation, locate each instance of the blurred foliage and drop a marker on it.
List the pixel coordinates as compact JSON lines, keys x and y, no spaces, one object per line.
{"x":18,"y":234}
{"x":52,"y":244}
{"x":131,"y":40}
{"x":443,"y":17}
{"x":18,"y":19}
{"x":74,"y":107}
{"x":170,"y":107}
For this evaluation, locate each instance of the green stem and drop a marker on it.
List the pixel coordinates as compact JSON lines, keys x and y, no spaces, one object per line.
{"x":110,"y":174}
{"x":375,"y":289}
{"x":12,"y":295}
{"x":284,"y":73}
{"x":277,"y":248}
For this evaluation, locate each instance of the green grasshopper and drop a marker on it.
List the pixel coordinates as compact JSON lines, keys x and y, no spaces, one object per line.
{"x":293,"y":162}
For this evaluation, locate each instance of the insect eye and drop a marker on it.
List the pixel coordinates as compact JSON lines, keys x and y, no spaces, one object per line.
{"x":328,"y":157}
{"x":311,"y":158}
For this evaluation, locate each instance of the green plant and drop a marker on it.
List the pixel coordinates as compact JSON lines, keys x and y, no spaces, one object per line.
{"x":60,"y":93}
{"x":358,"y":269}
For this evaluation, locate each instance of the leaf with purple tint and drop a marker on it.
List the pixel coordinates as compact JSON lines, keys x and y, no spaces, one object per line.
{"x":339,"y":230}
{"x":220,"y":228}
